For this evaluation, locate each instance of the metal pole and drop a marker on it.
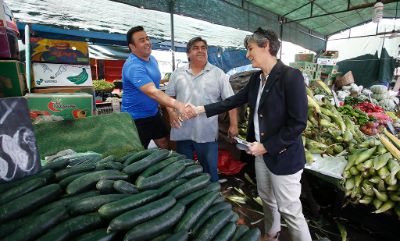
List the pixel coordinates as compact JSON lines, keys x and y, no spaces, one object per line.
{"x":280,"y":35}
{"x":172,"y":6}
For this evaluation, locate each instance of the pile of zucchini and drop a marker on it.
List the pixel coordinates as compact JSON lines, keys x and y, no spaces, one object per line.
{"x":154,"y":194}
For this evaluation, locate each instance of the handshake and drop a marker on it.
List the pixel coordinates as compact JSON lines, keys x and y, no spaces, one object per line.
{"x":184,"y":112}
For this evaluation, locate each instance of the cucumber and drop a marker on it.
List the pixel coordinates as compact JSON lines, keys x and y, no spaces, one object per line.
{"x":219,"y":199}
{"x":157,"y":167}
{"x":156,"y":226}
{"x":141,"y":214}
{"x":125,"y":187}
{"x":176,"y":154}
{"x":195,"y":211}
{"x":22,"y":189}
{"x":47,"y":174}
{"x":191,"y":171}
{"x":72,"y":227}
{"x":29,"y":202}
{"x":149,"y":160}
{"x":165,"y":175}
{"x":161,"y":237}
{"x":96,"y":235}
{"x":73,"y":170}
{"x":85,"y":157}
{"x":65,"y":201}
{"x":139,"y":156}
{"x":91,"y":204}
{"x":252,"y":234}
{"x":226,"y":233}
{"x":235,"y":218}
{"x":57,"y":164}
{"x":10,"y":227}
{"x":214,"y":225}
{"x":240,"y":230}
{"x":116,"y":208}
{"x":87,"y":181}
{"x":110,"y":158}
{"x":189,"y":162}
{"x":180,"y":236}
{"x":124,"y":158}
{"x":215,"y":208}
{"x":110,"y":165}
{"x":38,"y":226}
{"x":171,"y":185}
{"x":105,"y":186}
{"x":64,"y":182}
{"x":212,"y":187}
{"x":190,"y":186}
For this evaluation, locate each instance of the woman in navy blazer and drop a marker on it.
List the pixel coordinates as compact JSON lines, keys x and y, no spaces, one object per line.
{"x":278,"y":115}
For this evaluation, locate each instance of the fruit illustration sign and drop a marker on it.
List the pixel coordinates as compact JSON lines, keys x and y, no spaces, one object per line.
{"x":67,"y":106}
{"x":60,"y":75}
{"x":19,"y":155}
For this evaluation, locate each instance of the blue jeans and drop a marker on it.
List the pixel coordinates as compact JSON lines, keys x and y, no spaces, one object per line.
{"x":207,"y":153}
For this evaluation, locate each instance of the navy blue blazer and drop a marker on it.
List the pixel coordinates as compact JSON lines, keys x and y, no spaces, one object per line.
{"x":282,"y":116}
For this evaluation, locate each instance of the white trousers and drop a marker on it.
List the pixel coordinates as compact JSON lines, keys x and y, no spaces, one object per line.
{"x":281,"y":197}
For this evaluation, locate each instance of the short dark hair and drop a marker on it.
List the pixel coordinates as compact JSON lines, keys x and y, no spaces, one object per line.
{"x":194,"y":40}
{"x":131,"y":32}
{"x":261,"y":37}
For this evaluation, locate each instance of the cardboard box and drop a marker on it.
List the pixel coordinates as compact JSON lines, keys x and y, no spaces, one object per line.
{"x":327,"y":69}
{"x":59,"y":51}
{"x":304,"y":66}
{"x":7,"y":19}
{"x":304,"y":58}
{"x":8,"y":44}
{"x":61,"y":75}
{"x":12,"y":78}
{"x":330,"y":54}
{"x":68,"y":106}
{"x":326,"y":61}
{"x":70,"y":90}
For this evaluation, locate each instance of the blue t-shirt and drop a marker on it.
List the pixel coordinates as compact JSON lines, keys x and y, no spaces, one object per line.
{"x":136,"y":73}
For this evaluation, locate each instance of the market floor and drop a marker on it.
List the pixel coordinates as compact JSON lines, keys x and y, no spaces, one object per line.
{"x":328,"y":221}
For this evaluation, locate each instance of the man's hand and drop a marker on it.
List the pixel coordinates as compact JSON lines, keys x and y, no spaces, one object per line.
{"x":190,"y":111}
{"x":180,"y":109}
{"x":256,"y":149}
{"x":233,"y":131}
{"x":174,"y":119}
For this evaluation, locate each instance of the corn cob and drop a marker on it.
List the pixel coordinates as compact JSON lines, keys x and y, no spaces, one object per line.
{"x":312,"y":103}
{"x":385,"y":207}
{"x":393,"y":138}
{"x":392,"y":149}
{"x":324,"y":87}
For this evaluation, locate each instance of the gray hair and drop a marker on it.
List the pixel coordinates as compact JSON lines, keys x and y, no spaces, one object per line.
{"x":262,"y":37}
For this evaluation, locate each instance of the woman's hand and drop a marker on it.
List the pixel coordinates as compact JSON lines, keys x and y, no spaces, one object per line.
{"x":256,"y":149}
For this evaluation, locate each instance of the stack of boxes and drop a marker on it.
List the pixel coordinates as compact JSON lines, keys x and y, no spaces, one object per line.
{"x":12,"y":71}
{"x":324,"y":69}
{"x":62,"y":81}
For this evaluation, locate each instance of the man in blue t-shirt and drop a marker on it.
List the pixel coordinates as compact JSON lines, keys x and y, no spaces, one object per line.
{"x":141,"y":95}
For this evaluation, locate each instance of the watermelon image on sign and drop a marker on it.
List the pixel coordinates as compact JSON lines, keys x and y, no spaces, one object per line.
{"x":78,"y":114}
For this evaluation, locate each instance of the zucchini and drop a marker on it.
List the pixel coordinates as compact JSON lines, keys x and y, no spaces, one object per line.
{"x":86,"y":181}
{"x":191,"y":171}
{"x":180,"y":236}
{"x":116,"y":208}
{"x":252,"y":234}
{"x":240,"y":230}
{"x":157,"y":167}
{"x":190,"y":186}
{"x":22,"y":189}
{"x":209,"y":213}
{"x":29,"y":202}
{"x":105,"y":186}
{"x":65,"y":201}
{"x":38,"y":226}
{"x":72,"y":227}
{"x":96,"y":235}
{"x":195,"y":211}
{"x":141,"y":214}
{"x":165,"y":175}
{"x":64,"y":182}
{"x":149,"y":160}
{"x":73,"y":170}
{"x":47,"y":174}
{"x":212,"y":187}
{"x":214,"y":225}
{"x":91,"y":204}
{"x":156,"y":226}
{"x":171,"y":185}
{"x":125,"y":187}
{"x":226,"y":232}
{"x":110,"y":165}
{"x":139,"y":156}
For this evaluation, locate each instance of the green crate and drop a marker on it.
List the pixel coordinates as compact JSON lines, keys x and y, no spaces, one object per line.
{"x":12,"y":78}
